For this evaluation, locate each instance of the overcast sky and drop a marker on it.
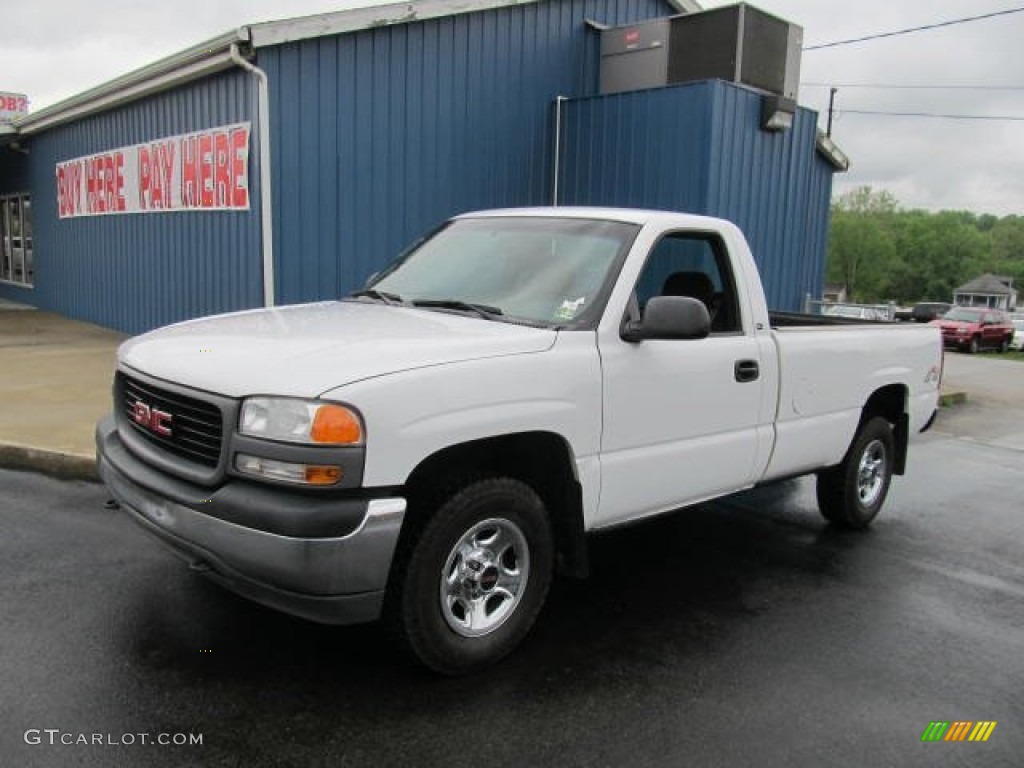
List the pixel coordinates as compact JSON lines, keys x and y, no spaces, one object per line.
{"x":53,"y":49}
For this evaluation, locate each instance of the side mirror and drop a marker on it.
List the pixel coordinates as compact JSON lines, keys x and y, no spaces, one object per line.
{"x":669,"y":317}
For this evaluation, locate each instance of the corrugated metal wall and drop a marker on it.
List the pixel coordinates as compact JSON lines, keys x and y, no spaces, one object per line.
{"x":777,"y":188}
{"x":380,"y":134}
{"x":134,"y":272}
{"x":641,"y":149}
{"x":699,"y":148}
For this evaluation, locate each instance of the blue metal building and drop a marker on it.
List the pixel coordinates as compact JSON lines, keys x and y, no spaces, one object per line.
{"x":370,"y":126}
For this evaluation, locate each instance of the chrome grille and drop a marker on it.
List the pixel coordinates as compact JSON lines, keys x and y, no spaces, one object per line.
{"x":196,"y":427}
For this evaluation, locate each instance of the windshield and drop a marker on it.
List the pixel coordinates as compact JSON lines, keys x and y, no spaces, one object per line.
{"x":963,"y":315}
{"x":544,"y":270}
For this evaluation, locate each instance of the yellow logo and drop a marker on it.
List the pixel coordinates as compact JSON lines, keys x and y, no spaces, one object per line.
{"x":958,"y":730}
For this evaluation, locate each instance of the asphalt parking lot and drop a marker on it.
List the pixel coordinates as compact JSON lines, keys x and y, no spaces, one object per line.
{"x":738,"y":633}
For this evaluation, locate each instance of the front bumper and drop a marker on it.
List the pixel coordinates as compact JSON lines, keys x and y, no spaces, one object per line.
{"x":955,"y":339}
{"x":331,"y":579}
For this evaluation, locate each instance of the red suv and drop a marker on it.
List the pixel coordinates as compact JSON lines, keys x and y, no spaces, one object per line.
{"x":972,"y":328}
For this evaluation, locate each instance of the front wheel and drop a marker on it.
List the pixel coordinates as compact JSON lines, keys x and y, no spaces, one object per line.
{"x":851,"y":494}
{"x":467,"y":589}
{"x":975,"y":345}
{"x":1004,"y":345}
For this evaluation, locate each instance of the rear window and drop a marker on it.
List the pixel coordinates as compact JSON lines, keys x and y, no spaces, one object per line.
{"x":964,"y":315}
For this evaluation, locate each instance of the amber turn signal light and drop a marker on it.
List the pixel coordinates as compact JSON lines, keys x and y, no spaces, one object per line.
{"x":323,"y":475}
{"x":336,"y":424}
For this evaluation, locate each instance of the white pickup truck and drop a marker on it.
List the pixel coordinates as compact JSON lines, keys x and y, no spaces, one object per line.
{"x":433,"y":447}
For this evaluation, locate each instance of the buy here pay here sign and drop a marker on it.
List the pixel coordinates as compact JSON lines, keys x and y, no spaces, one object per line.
{"x":202,"y":171}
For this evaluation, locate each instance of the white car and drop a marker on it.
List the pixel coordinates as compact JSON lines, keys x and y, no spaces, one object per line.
{"x":1017,"y":342}
{"x":430,"y":447}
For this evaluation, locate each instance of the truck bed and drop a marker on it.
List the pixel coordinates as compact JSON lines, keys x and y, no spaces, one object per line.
{"x":804,"y":320}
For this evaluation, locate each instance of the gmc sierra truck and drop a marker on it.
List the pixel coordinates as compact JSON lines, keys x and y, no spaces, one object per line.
{"x":433,"y":447}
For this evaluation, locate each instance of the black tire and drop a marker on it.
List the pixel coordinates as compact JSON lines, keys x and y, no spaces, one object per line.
{"x":975,"y":345}
{"x":851,"y":494}
{"x":1004,"y":345}
{"x":428,"y":624}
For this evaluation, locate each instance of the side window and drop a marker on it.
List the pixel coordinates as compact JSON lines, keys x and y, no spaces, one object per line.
{"x":695,"y":265}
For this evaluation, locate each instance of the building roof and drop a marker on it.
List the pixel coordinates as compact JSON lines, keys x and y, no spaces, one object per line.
{"x":340,"y":22}
{"x":988,"y":285}
{"x":222,"y":52}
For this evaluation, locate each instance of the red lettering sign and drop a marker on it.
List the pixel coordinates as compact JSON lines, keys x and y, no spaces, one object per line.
{"x":145,"y":179}
{"x":62,"y":191}
{"x":109,"y":183}
{"x":239,"y":170}
{"x":166,"y":167}
{"x":119,"y":201}
{"x":190,"y":172}
{"x":69,"y":181}
{"x":206,"y":170}
{"x":91,"y":205}
{"x":221,"y":174}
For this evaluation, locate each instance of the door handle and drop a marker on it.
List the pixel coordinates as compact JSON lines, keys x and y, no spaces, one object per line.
{"x":747,"y":370}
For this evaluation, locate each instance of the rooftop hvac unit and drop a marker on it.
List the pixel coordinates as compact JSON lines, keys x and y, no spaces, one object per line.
{"x":738,"y":43}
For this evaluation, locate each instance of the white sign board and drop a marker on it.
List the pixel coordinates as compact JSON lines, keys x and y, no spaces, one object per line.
{"x":203,"y":171}
{"x":12,"y":105}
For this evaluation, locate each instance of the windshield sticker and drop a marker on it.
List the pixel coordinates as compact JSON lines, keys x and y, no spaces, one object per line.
{"x":568,"y":309}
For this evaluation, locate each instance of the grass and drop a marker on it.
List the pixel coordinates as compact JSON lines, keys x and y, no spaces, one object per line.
{"x":1011,"y":355}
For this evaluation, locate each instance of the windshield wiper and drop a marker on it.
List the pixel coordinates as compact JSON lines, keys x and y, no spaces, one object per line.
{"x":369,"y":293}
{"x":480,"y":310}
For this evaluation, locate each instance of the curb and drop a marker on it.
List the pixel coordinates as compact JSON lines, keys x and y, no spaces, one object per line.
{"x":949,"y":399}
{"x":64,"y":466}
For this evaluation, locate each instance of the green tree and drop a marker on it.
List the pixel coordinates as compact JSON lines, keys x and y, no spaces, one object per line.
{"x":883,"y":252}
{"x":860,"y":240}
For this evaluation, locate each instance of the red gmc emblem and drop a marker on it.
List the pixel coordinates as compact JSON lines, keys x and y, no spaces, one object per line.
{"x":152,"y":418}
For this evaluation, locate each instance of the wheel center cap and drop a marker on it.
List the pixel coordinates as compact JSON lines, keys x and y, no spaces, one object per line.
{"x":488,"y":578}
{"x":481,"y":574}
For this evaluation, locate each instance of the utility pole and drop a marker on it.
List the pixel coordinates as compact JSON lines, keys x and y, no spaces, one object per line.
{"x":831,"y":109}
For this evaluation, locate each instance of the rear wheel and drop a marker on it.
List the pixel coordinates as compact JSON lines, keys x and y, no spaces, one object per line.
{"x":975,"y":345}
{"x":1004,"y":345}
{"x":851,"y":494}
{"x":467,"y":589}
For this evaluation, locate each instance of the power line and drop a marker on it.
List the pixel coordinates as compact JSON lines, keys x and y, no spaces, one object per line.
{"x":921,"y":28}
{"x":1015,"y":118}
{"x":916,"y":87}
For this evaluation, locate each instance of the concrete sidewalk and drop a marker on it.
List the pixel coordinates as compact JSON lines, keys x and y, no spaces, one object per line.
{"x":55,"y":379}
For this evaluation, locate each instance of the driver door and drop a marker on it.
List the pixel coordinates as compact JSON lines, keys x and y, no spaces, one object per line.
{"x":681,"y":417}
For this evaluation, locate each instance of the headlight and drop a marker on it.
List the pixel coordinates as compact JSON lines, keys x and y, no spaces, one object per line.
{"x":300,"y":421}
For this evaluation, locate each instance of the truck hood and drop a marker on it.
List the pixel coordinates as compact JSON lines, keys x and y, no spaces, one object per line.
{"x":305,"y":350}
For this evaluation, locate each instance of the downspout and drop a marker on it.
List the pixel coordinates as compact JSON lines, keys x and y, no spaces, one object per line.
{"x":558,"y":147}
{"x":266,"y":209}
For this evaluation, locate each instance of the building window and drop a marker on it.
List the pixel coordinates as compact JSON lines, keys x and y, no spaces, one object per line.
{"x":16,"y":256}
